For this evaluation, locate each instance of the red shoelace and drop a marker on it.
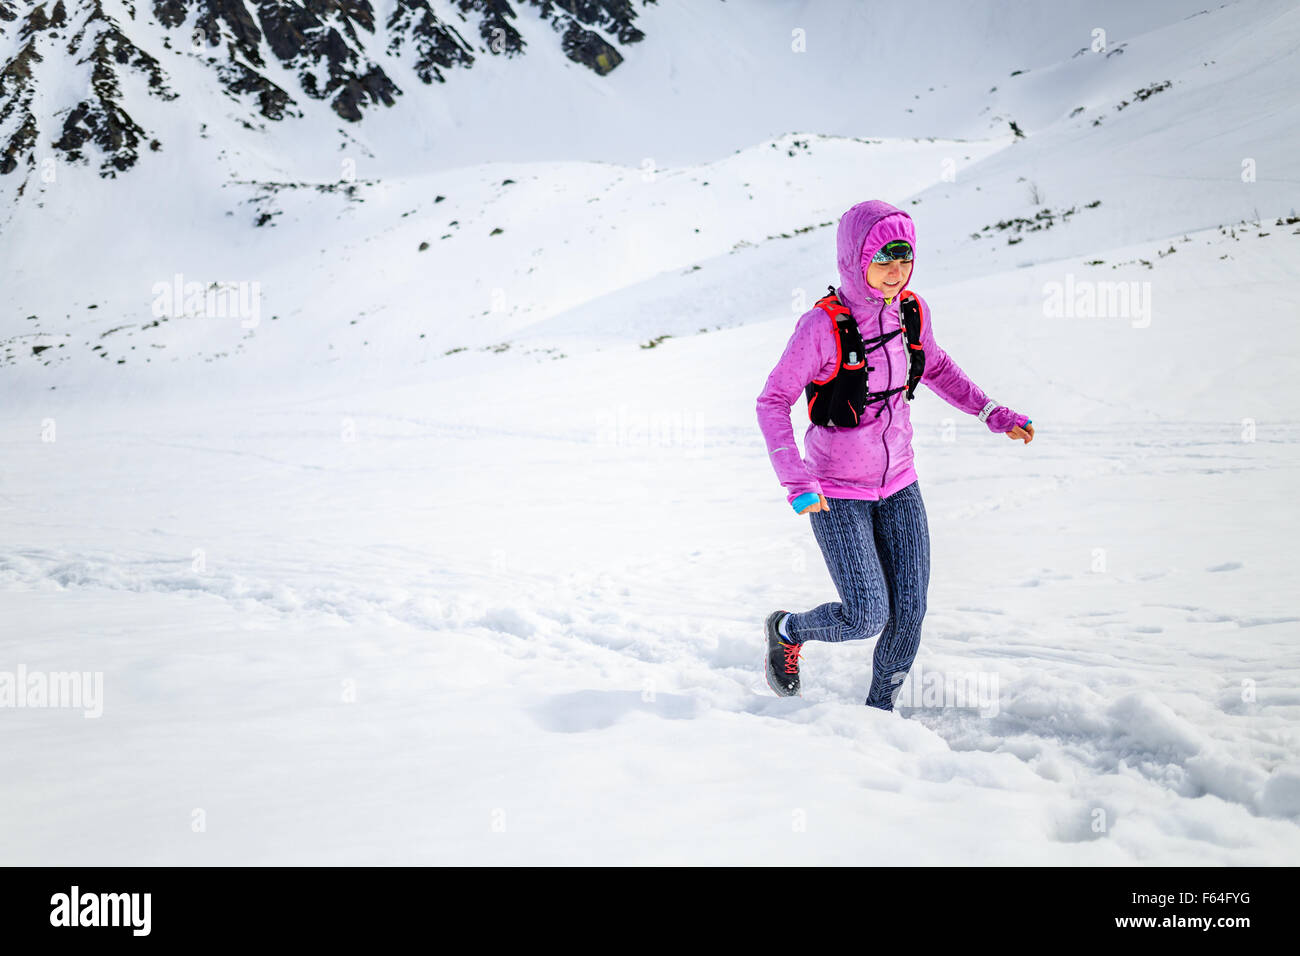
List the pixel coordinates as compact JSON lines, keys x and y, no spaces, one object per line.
{"x":792,"y":657}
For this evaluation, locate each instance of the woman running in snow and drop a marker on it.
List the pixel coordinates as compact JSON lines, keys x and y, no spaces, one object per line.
{"x":875,"y":539}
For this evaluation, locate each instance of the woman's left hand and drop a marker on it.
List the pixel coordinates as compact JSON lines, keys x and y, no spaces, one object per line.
{"x":1027,"y":433}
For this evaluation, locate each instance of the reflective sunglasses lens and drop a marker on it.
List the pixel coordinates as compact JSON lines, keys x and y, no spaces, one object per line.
{"x":894,"y":250}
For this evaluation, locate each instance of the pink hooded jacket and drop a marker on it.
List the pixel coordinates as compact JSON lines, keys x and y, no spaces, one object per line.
{"x":874,"y":459}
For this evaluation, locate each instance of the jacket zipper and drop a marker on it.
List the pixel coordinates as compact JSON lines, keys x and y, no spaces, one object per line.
{"x":889,"y":366}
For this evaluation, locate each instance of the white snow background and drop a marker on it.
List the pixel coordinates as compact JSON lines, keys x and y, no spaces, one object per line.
{"x":440,"y":562}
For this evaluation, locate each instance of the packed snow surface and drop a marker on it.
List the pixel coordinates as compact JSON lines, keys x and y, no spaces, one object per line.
{"x":462,"y":554}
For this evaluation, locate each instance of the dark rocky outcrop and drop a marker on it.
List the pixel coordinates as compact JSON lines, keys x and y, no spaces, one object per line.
{"x":590,"y":49}
{"x":438,"y":46}
{"x":16,"y":92}
{"x":101,"y":118}
{"x":330,"y":46}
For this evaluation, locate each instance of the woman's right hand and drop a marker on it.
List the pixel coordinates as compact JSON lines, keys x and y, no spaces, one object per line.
{"x":818,"y":505}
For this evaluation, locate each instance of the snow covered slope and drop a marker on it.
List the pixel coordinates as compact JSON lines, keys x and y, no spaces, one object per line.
{"x":1130,"y":148}
{"x":461,"y":553}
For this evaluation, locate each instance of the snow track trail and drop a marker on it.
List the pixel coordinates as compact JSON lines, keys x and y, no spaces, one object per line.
{"x":509,"y":655}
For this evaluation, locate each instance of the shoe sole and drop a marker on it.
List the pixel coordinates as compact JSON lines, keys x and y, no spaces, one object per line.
{"x":767,"y":660}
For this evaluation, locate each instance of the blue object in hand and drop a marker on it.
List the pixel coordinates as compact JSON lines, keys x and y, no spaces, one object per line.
{"x":804,"y":500}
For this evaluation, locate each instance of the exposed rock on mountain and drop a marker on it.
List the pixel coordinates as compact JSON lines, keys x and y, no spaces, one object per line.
{"x":330,"y":47}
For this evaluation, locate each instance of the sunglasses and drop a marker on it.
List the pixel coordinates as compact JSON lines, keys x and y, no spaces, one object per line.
{"x":890,"y":251}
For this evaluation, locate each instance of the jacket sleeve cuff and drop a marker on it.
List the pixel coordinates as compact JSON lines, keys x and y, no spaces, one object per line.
{"x":1001,"y":419}
{"x":804,"y":500}
{"x":802,"y":488}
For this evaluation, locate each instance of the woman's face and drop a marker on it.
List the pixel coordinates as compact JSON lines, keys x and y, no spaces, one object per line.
{"x":889,"y":277}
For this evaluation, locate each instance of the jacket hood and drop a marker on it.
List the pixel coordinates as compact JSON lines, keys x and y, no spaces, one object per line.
{"x":867,"y":227}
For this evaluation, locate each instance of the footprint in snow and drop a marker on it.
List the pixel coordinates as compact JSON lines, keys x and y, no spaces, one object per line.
{"x":1227,"y":566}
{"x":597,"y":709}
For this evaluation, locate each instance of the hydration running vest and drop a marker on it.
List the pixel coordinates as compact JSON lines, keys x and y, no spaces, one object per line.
{"x":842,"y":398}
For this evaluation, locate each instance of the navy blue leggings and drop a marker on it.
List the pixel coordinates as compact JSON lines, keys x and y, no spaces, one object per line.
{"x":878,"y":555}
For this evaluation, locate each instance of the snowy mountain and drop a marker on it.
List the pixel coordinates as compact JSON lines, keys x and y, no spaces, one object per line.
{"x":379,"y":391}
{"x":265,"y":57}
{"x":1117,"y":146}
